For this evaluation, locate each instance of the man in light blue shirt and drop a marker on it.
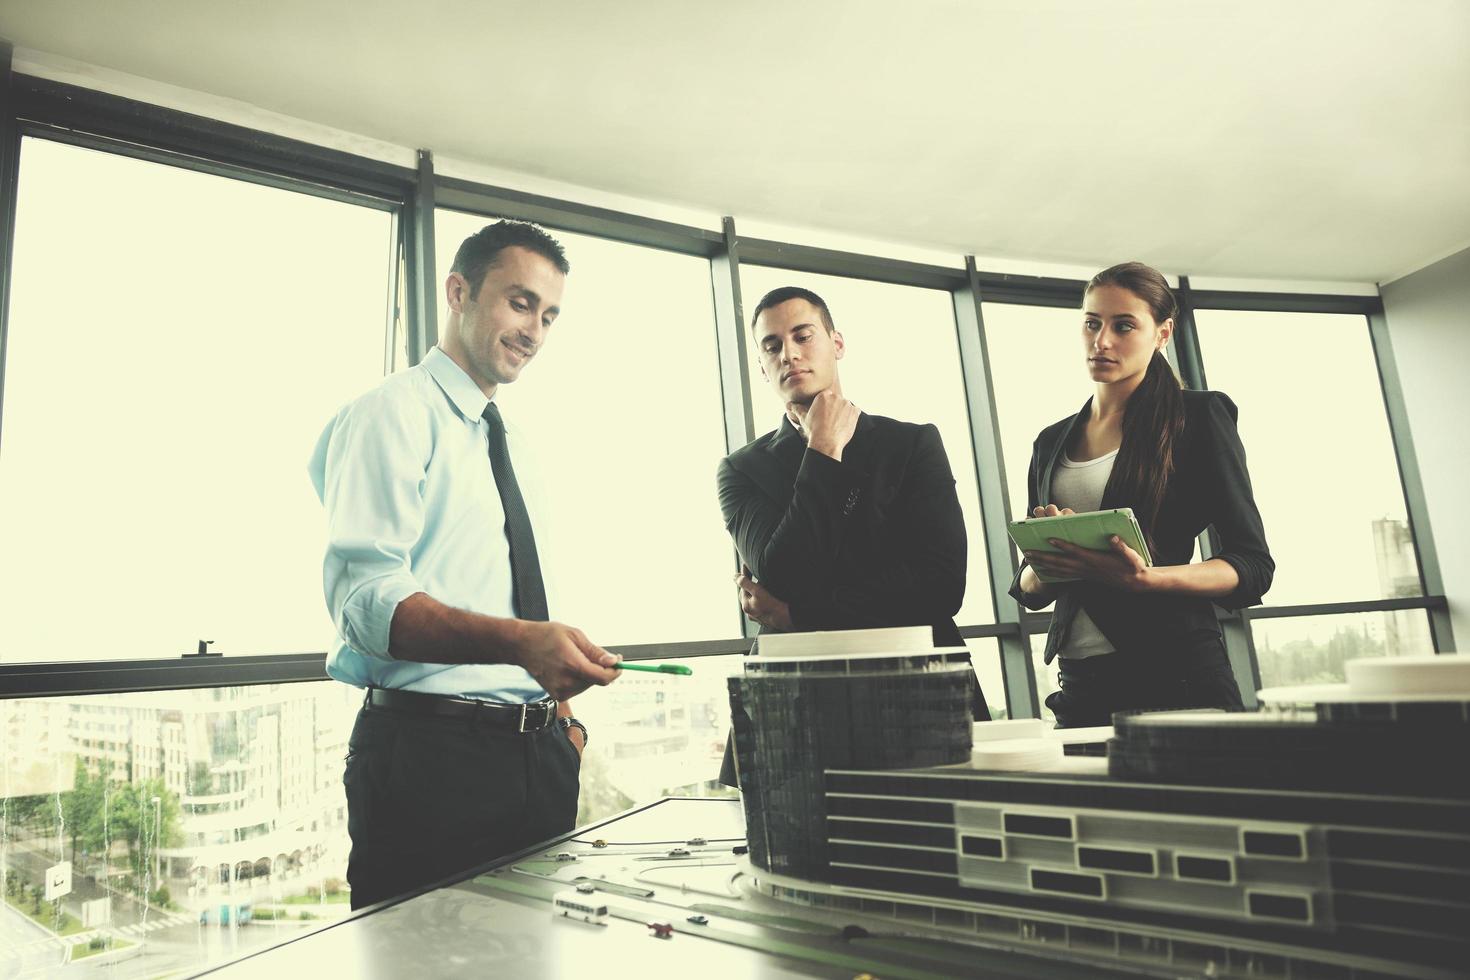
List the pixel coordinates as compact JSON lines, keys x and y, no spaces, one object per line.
{"x":465,"y":749}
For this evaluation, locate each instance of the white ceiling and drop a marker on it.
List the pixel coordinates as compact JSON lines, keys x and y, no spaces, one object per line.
{"x":1249,"y":138}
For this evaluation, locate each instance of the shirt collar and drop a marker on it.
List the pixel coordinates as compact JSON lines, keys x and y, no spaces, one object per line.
{"x":458,"y":386}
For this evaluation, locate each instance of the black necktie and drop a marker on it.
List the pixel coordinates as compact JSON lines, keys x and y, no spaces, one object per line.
{"x":525,"y":566}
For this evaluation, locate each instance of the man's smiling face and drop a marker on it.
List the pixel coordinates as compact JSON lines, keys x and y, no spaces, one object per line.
{"x":504,"y":323}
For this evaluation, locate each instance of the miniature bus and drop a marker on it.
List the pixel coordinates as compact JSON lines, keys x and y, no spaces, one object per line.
{"x":575,"y":905}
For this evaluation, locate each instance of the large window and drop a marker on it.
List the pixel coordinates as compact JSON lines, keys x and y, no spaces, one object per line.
{"x":624,"y":412}
{"x":176,"y":342}
{"x":1321,"y":458}
{"x":902,"y":361}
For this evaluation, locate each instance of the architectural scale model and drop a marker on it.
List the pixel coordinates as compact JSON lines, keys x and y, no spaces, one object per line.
{"x":1327,"y":835}
{"x":881,"y":832}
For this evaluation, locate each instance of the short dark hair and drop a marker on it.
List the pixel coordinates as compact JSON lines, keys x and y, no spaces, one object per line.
{"x":785,"y":294}
{"x":482,"y":249}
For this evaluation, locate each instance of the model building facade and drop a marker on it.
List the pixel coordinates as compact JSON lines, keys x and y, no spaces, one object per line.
{"x":1321,"y":840}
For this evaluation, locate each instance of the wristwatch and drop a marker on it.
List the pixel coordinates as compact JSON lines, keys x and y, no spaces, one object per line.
{"x":572,"y":722}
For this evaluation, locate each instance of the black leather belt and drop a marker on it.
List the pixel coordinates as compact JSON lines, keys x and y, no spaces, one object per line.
{"x":530,"y":717}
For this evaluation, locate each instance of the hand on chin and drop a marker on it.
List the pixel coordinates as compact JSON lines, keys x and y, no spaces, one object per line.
{"x":798,"y":404}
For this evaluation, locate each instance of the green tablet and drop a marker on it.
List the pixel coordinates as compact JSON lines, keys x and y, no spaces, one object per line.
{"x":1092,"y":529}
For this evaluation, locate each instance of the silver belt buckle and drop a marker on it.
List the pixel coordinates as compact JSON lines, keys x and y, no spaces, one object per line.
{"x":547,"y":707}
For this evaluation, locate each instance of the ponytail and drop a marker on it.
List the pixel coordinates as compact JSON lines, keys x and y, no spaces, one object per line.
{"x":1151,"y":426}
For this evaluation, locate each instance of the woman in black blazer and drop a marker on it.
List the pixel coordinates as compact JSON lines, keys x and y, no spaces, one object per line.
{"x":1131,"y":636}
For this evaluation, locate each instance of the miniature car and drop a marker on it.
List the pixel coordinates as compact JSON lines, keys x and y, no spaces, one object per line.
{"x":699,"y":920}
{"x":679,"y":852}
{"x":599,"y":843}
{"x":566,"y":856}
{"x":740,"y":849}
{"x":661,"y":930}
{"x":697,"y":842}
{"x":586,"y":887}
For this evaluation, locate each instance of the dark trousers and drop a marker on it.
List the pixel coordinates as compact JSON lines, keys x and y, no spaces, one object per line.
{"x":428,"y":797}
{"x":1194,"y":673}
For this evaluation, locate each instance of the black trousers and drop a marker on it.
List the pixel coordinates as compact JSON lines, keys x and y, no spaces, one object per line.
{"x":1193,"y":673}
{"x":428,"y":797}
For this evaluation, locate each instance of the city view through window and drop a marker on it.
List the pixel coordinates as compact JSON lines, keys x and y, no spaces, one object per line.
{"x":179,"y":816}
{"x":187,"y":815}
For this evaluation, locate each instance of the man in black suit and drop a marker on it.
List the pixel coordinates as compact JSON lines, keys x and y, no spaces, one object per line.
{"x":843,"y":520}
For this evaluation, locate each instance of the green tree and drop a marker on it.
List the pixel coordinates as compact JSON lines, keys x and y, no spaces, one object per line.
{"x":99,"y":812}
{"x":132,"y":819}
{"x":81,"y":809}
{"x":30,"y":811}
{"x":75,"y":809}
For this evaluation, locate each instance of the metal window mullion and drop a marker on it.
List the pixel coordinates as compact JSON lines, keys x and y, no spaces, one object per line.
{"x":1248,"y":300}
{"x":421,"y":323}
{"x":1426,"y":602}
{"x":733,"y":345}
{"x":1240,"y":645}
{"x":471,"y":197}
{"x":9,"y":187}
{"x":1441,"y":634}
{"x":995,"y":510}
{"x":296,"y":184}
{"x":733,"y":350}
{"x":395,"y":290}
{"x":76,"y":114}
{"x":71,"y":679}
{"x":849,"y":265}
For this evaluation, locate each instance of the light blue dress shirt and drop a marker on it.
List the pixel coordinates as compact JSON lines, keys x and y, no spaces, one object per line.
{"x":411,"y":502}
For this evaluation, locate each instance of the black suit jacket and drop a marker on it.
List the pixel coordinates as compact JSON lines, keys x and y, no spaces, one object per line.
{"x":874,"y":540}
{"x":1210,"y":487}
{"x":877,"y":539}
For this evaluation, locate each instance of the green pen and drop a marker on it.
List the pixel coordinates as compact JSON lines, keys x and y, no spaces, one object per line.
{"x":656,"y":668}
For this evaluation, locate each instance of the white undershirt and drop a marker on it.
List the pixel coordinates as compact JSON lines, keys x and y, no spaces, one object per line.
{"x":1080,"y":487}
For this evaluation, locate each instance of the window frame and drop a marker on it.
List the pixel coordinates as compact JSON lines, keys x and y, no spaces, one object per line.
{"x":52,"y":110}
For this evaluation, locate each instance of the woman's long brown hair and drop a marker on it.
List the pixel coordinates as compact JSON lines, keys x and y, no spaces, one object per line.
{"x":1155,"y":413}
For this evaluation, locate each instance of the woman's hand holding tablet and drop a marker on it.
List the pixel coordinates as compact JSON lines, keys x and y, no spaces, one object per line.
{"x":1091,"y":546}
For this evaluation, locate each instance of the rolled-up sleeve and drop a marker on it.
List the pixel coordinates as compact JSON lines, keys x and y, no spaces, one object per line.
{"x":368,"y":470}
{"x":1234,"y":514}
